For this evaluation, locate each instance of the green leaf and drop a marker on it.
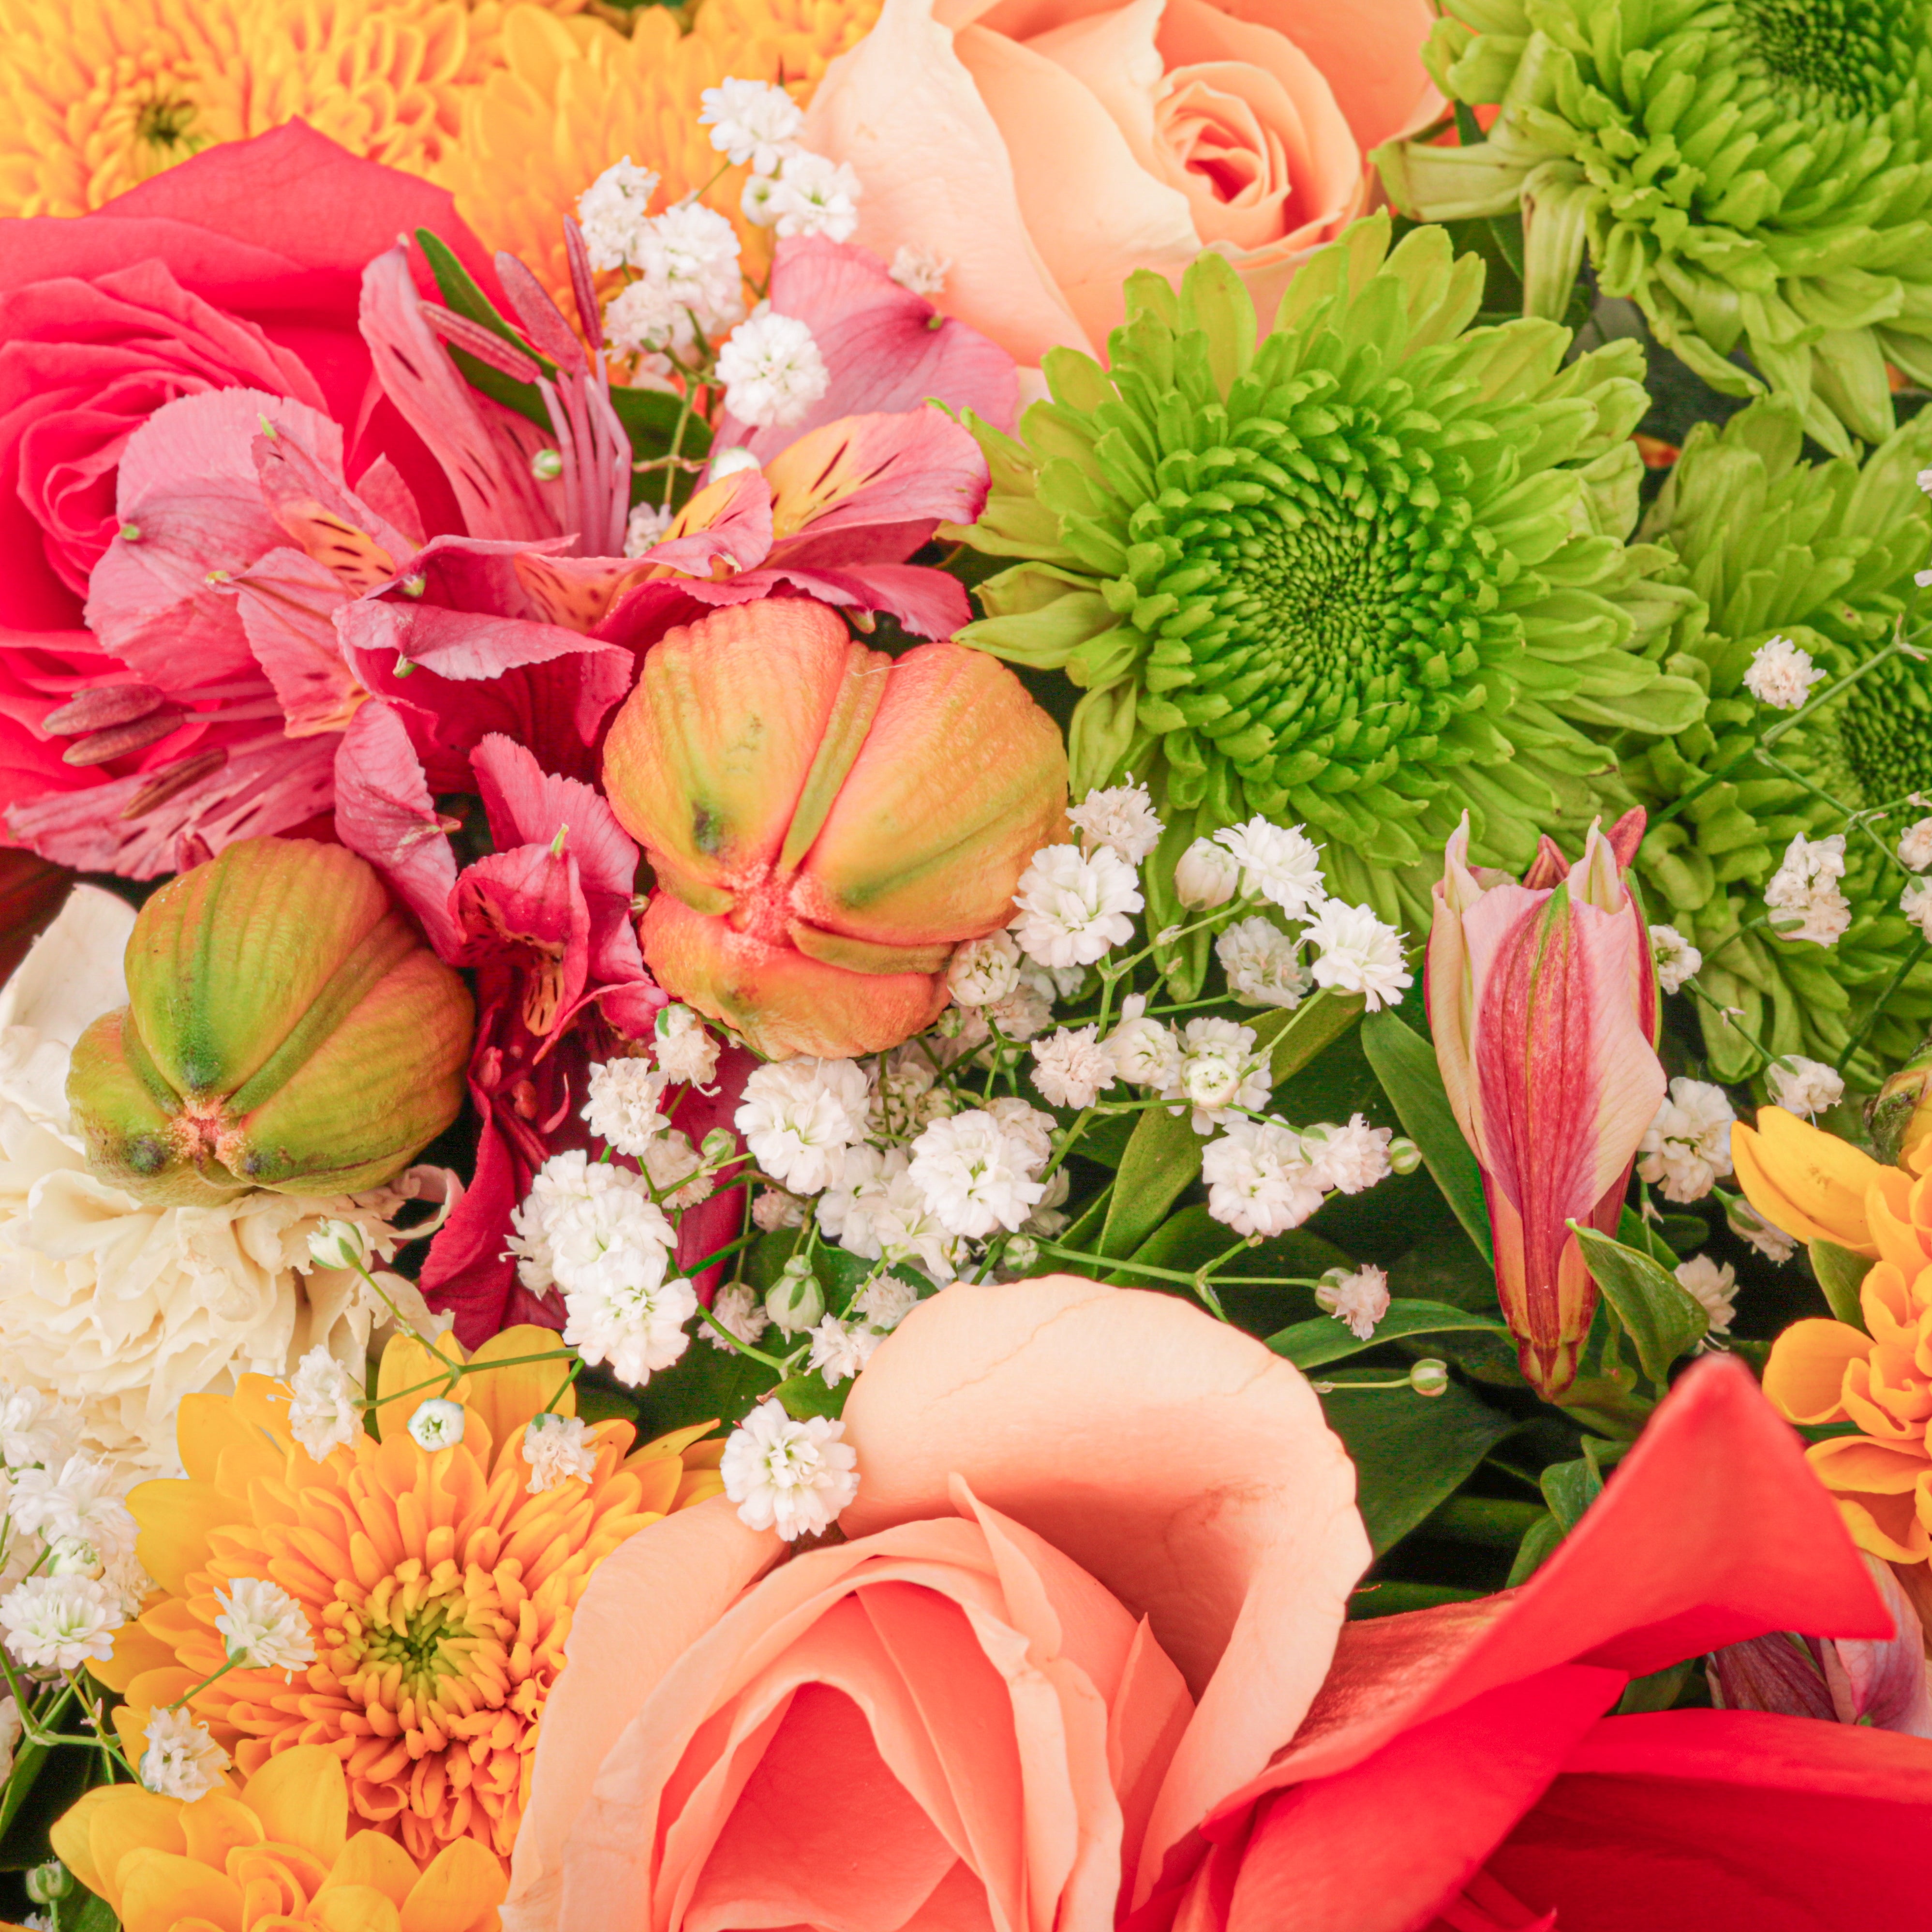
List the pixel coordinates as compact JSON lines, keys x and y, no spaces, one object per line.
{"x":82,"y":1911}
{"x":706,"y":1384}
{"x":1411,"y":1452}
{"x":1162,"y":1161}
{"x":1308,"y":1344}
{"x":1405,"y":1064}
{"x":51,"y":1782}
{"x":1539,"y":1544}
{"x":804,"y":1396}
{"x":1297,"y":1037}
{"x":1193,"y":1237}
{"x":1663,"y":1317}
{"x":1839,"y":1272}
{"x":1391,"y":1599}
{"x":1570,"y":1488}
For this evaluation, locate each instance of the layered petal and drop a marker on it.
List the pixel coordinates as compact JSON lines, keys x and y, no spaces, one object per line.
{"x":1805,"y":1180}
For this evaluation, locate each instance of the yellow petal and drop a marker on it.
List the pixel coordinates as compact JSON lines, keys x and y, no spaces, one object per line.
{"x":464,"y":1882}
{"x":301,"y":1796}
{"x":405,"y":1363}
{"x":354,"y":1908}
{"x":507,"y":1398}
{"x":135,"y":1650}
{"x":176,"y":1519}
{"x":1856,"y":1465}
{"x":372,"y":1859}
{"x":1811,"y":1183}
{"x":159,"y":1888}
{"x":1888,"y":1526}
{"x":217,"y":1824}
{"x":1805,"y":1378}
{"x":207,"y":1425}
{"x":109,"y":1825}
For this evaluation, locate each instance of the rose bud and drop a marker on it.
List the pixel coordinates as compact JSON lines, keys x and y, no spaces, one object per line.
{"x":285,"y":1028}
{"x":826,"y":822}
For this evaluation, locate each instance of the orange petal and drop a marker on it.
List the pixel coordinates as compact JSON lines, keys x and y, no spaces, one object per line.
{"x":158,"y":1889}
{"x":1225,"y":1515}
{"x":93,"y":1837}
{"x":1804,"y":1378}
{"x":1856,"y":1465}
{"x":782,"y":1002}
{"x":1811,"y":1183}
{"x":302,"y":1797}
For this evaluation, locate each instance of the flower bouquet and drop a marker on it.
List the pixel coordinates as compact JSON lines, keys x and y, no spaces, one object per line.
{"x":964,"y":968}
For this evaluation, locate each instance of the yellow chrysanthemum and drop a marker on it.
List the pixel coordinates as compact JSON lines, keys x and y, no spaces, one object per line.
{"x":279,"y":1854}
{"x":97,"y":95}
{"x":572,"y":96}
{"x":438,"y":1589}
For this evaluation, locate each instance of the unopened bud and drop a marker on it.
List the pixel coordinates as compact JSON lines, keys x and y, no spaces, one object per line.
{"x":719,"y":1145}
{"x":1404,"y":1157}
{"x":338,"y":1244}
{"x":1206,"y":876}
{"x":131,"y":533}
{"x":1900,"y":1117}
{"x":414,"y":586}
{"x":1429,"y":1376}
{"x":47,"y":1883}
{"x":1022,"y":1256}
{"x":795,"y":1302}
{"x":438,"y":1423}
{"x":729,"y":462}
{"x":546,"y":466}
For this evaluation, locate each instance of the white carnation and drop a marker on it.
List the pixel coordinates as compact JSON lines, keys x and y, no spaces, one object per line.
{"x":1074,"y":909}
{"x":799,"y":1116}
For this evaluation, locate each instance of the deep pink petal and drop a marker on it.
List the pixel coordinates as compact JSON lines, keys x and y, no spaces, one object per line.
{"x":726,"y":524}
{"x":466,"y":646}
{"x":528,"y":901}
{"x":886,"y":348}
{"x":384,"y":811}
{"x":288,"y":603}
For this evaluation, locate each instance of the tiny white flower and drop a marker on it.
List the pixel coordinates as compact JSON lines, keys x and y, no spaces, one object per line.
{"x":771,"y":370}
{"x":437,"y":1423}
{"x":262,"y":1627}
{"x":1781,"y":675}
{"x":1263,"y":964}
{"x":1220,"y":1068}
{"x":1074,"y":909}
{"x":1071,"y":1068}
{"x":128,"y":1584}
{"x":799,"y":1116}
{"x":814,"y":196}
{"x":621,"y":1104}
{"x":839,"y":1350}
{"x":612,"y":211}
{"x":686,"y":1051}
{"x":1357,"y":953}
{"x":555,"y":1211}
{"x":885,"y":1301}
{"x":559,"y":1449}
{"x":1915,"y":902}
{"x":1121,"y":818}
{"x":920,"y":269}
{"x":1359,"y":1299}
{"x":1715,"y":1287}
{"x":1144,"y":1051}
{"x":1803,"y":893}
{"x":751,"y":121}
{"x":33,"y":1429}
{"x":1259,"y":1181}
{"x":339,"y":1244}
{"x":981,"y":972}
{"x":629,"y":1316}
{"x":772,"y":1208}
{"x":1924,"y":481}
{"x":755,"y":199}
{"x":80,"y":1502}
{"x":182,"y":1760}
{"x":1206,"y":876}
{"x":1349,"y":1159}
{"x":671,"y":1161}
{"x":739,"y":1312}
{"x":1675,"y":959}
{"x":796,"y":1477}
{"x":323,"y":1414}
{"x":646,"y":526}
{"x":1027,"y":1009}
{"x":1915,"y":846}
{"x":688,"y":283}
{"x":1687,"y":1150}
{"x":59,"y":1623}
{"x":1807,"y":1086}
{"x":1769,"y":1240}
{"x":1278,"y":861}
{"x":972,"y":1174}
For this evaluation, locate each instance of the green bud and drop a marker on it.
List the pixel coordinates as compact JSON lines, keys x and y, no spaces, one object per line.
{"x":285,"y":1028}
{"x":546,"y":466}
{"x":1404,"y":1157}
{"x":46,"y":1883}
{"x":1899,"y":1115}
{"x":795,"y":1302}
{"x":720,"y":1145}
{"x":1429,"y":1376}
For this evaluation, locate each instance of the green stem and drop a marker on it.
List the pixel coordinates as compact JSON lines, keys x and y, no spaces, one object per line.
{"x":1878,"y":1006}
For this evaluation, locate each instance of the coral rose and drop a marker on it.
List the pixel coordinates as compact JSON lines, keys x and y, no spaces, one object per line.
{"x":1046,"y":148}
{"x":1078,"y":1667}
{"x":241,"y":268}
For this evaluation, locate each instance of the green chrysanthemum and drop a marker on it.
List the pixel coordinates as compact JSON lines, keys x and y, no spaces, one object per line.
{"x":1366,"y":573}
{"x":1753,"y":173}
{"x":1823,"y":555}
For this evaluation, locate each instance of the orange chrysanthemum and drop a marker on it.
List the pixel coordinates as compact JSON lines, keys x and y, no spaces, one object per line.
{"x":279,"y":1854}
{"x":571,"y":97}
{"x":438,"y":1589}
{"x":97,"y":95}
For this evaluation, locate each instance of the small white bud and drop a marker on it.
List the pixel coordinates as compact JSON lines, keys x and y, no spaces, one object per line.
{"x":1206,"y":876}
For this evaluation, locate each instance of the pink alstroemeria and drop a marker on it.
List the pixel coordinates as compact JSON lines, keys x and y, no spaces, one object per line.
{"x":545,"y":920}
{"x":1543,"y":1000}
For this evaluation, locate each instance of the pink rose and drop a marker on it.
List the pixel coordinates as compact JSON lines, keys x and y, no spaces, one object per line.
{"x":1048,"y":147}
{"x":241,"y":268}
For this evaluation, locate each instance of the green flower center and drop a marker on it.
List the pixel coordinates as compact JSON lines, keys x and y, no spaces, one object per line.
{"x":1885,"y":732}
{"x":164,"y":123}
{"x":1849,"y":52}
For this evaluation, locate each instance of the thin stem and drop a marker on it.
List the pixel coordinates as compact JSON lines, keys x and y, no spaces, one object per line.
{"x":1173,"y":1274}
{"x":1878,"y":1006}
{"x":772,"y":1362}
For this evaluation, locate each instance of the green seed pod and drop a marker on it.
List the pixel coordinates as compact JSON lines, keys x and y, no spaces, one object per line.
{"x":286,"y":1029}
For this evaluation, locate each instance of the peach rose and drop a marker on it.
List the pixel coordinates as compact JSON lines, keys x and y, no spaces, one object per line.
{"x":1100,"y":1557}
{"x":1048,"y":147}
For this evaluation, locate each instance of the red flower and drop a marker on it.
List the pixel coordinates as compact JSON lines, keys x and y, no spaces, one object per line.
{"x":1459,"y":1771}
{"x":242,"y":268}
